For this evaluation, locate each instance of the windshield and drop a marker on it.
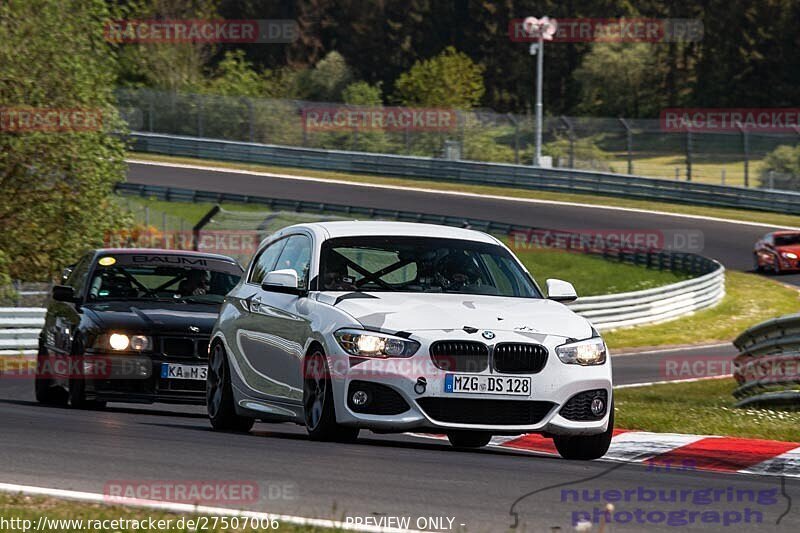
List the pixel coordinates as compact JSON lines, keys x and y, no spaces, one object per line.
{"x":787,"y":240}
{"x":155,"y":282}
{"x":414,"y":264}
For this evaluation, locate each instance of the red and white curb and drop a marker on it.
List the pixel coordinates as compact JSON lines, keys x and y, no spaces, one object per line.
{"x":673,"y":450}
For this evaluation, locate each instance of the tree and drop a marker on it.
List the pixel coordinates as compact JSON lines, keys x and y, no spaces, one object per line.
{"x":450,"y":79}
{"x":362,"y":93}
{"x":621,"y":79}
{"x":56,"y":186}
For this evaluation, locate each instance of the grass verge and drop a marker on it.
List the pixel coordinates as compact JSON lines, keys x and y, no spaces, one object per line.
{"x":749,"y":299}
{"x":703,"y":408}
{"x":67,"y":515}
{"x":589,"y":199}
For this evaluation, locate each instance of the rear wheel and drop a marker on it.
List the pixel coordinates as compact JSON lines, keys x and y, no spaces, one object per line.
{"x":46,"y":391}
{"x":319,"y":411}
{"x":586,"y":447}
{"x":469,"y":439}
{"x":220,"y":402}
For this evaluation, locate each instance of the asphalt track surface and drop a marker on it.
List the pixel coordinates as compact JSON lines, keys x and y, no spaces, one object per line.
{"x":728,"y":242}
{"x":394,"y":475}
{"x":376,"y":476}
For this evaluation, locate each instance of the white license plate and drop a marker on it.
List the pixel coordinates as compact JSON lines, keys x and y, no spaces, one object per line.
{"x":502,"y":385}
{"x":175,"y":371}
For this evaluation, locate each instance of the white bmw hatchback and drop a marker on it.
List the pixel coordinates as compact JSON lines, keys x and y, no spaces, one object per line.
{"x":393,"y":327}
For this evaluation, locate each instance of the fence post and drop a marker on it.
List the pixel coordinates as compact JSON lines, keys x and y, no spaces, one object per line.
{"x":746,"y":146}
{"x":251,"y":120}
{"x":689,"y":155}
{"x":514,"y":121}
{"x":629,"y":143}
{"x":200,"y":108}
{"x":571,"y":137}
{"x":150,"y":113}
{"x":771,"y":177}
{"x":723,"y":176}
{"x":407,"y":139}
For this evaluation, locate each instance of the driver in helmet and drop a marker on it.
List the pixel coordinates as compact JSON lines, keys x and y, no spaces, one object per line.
{"x":457,"y":270}
{"x":197,"y":283}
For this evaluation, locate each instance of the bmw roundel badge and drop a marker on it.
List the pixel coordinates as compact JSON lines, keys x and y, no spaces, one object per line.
{"x":488,"y":334}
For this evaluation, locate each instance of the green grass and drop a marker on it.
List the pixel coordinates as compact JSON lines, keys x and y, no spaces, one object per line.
{"x":18,"y":506}
{"x":593,"y":275}
{"x":706,"y":168}
{"x":749,"y":299}
{"x":703,"y":408}
{"x":589,"y":199}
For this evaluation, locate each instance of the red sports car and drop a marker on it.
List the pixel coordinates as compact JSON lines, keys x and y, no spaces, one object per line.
{"x":778,"y":252}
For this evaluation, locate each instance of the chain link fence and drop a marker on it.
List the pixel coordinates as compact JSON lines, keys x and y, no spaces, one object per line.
{"x":624,"y":146}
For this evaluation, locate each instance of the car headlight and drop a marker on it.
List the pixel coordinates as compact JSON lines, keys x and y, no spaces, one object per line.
{"x":369,"y":344}
{"x":586,"y":352}
{"x":122,"y":342}
{"x":789,"y":255}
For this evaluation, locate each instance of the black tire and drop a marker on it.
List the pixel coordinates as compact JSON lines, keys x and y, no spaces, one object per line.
{"x":319,"y":411}
{"x":776,"y":266}
{"x":469,"y":439}
{"x":77,"y":385}
{"x":46,"y":392}
{"x":220,"y":402}
{"x":586,"y":447}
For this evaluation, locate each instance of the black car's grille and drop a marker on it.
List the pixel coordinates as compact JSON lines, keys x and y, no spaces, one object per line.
{"x":517,"y":358}
{"x":578,"y":408}
{"x":382,"y":400}
{"x":460,"y":356}
{"x":185,"y":347}
{"x":485,"y":412}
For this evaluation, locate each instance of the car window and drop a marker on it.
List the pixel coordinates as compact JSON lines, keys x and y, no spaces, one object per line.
{"x":79,"y":274}
{"x":265,"y":262}
{"x":297,"y":256}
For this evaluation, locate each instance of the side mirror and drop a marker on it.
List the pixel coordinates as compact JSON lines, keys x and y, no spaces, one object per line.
{"x":284,"y":281}
{"x":64,"y":293}
{"x":561,"y":291}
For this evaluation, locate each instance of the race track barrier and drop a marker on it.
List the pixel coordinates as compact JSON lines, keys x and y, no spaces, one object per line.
{"x":471,"y":172}
{"x":704,"y":290}
{"x":19,"y":330}
{"x":768,"y":366}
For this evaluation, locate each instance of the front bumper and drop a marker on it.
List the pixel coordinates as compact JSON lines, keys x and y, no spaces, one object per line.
{"x":138,"y":379}
{"x":433,"y":409}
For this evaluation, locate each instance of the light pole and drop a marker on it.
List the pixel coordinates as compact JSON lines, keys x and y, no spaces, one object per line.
{"x":543,"y":30}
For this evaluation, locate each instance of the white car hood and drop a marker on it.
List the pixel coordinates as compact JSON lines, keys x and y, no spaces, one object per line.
{"x":397,"y":311}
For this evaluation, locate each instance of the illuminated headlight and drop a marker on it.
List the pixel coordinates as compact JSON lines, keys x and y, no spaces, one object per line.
{"x":121,"y":342}
{"x":789,"y":255}
{"x":587,"y":352}
{"x":367,"y":344}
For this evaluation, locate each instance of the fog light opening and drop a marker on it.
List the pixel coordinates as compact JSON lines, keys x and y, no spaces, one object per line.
{"x":360,"y":398}
{"x":598,"y":406}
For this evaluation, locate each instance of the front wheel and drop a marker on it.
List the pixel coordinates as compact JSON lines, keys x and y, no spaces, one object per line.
{"x":469,"y":439}
{"x":319,"y":410}
{"x":77,"y":383}
{"x":757,"y":264}
{"x":586,"y":447}
{"x":46,"y":391}
{"x":220,"y":402}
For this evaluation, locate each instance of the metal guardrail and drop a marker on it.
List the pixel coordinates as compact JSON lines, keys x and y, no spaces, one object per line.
{"x":605,"y":312}
{"x":768,"y":366}
{"x":19,"y":330}
{"x":469,"y":172}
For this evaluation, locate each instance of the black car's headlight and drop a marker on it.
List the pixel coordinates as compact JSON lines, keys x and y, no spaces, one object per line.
{"x":122,"y":342}
{"x":369,"y":344}
{"x":586,"y":352}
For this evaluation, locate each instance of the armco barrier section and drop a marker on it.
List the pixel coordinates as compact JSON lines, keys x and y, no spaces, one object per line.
{"x":470,"y":172}
{"x":19,"y":330}
{"x":605,"y":312}
{"x":768,"y":367}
